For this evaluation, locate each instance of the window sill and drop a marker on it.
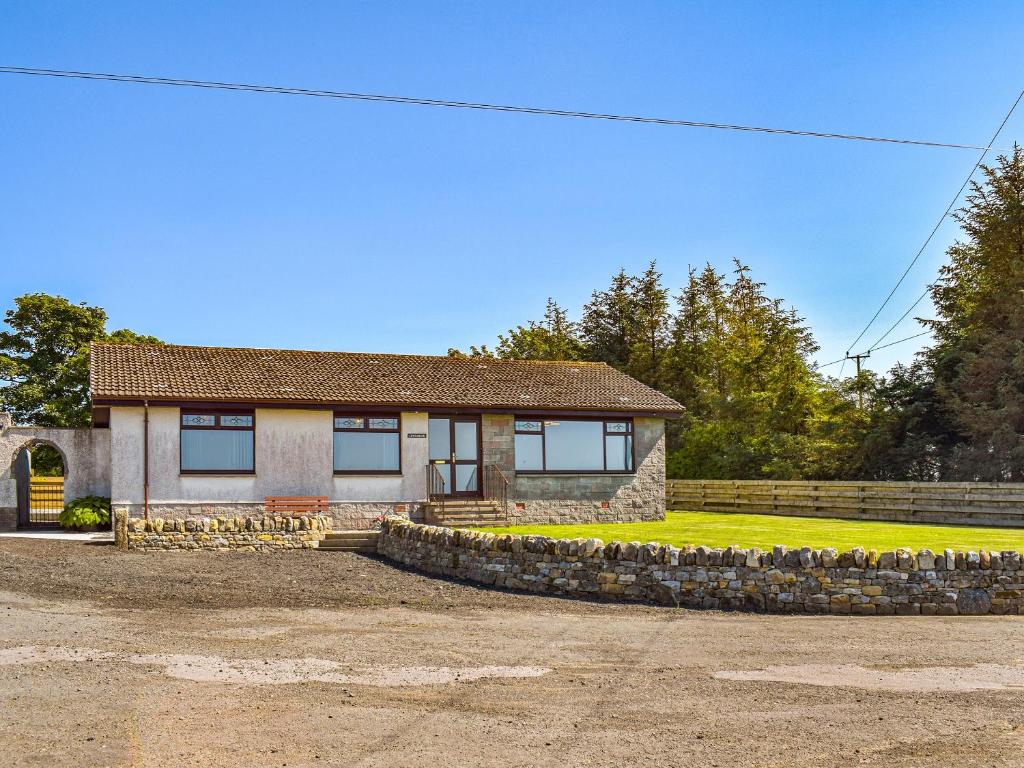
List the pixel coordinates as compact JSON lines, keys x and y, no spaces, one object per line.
{"x":360,"y":473}
{"x":214,"y":473}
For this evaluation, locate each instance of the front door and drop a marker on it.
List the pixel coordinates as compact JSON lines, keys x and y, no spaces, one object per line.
{"x":454,"y":444}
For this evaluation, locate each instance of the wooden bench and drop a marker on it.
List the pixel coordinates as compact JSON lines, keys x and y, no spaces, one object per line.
{"x":296,"y":505}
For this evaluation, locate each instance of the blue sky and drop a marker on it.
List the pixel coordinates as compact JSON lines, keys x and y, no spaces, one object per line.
{"x":206,"y":217}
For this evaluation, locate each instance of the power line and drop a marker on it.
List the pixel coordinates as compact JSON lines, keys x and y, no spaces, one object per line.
{"x":935,"y":229}
{"x":872,"y":349}
{"x":893,"y":343}
{"x":826,"y":365}
{"x":149,"y":80}
{"x":903,"y":317}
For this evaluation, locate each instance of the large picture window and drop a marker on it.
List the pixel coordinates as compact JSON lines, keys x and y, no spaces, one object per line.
{"x":573,"y":445}
{"x":367,"y":444}
{"x":218,"y":443}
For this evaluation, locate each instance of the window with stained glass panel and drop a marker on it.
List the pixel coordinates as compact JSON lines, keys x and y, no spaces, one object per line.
{"x":217,"y":443}
{"x":367,"y":444}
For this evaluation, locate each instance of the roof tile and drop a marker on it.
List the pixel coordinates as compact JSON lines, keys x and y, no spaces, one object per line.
{"x":221,"y":374}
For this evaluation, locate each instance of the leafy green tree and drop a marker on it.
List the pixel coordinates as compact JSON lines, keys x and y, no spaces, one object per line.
{"x":554,"y":338}
{"x":44,"y":359}
{"x":910,"y":435}
{"x":46,"y":461}
{"x":627,"y":326}
{"x":738,"y":360}
{"x":739,"y":364}
{"x":837,"y":429}
{"x":481,"y":351}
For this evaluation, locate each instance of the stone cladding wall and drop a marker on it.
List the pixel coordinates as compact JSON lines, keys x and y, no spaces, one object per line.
{"x":344,"y":515}
{"x":581,"y":497}
{"x":252,"y":534}
{"x":805,"y":580}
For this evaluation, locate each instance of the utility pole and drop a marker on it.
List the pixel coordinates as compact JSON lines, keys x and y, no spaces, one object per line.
{"x":860,"y":389}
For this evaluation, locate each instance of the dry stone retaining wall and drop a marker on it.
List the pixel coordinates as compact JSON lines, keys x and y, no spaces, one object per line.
{"x":780,"y":581}
{"x":345,"y":515}
{"x":252,"y":534}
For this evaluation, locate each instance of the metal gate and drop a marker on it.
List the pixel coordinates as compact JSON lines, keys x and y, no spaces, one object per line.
{"x":46,"y":501}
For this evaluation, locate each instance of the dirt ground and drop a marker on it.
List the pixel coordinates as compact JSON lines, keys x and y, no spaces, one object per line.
{"x":318,"y":659}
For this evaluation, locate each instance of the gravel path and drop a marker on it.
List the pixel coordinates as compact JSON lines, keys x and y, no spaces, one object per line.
{"x":303,"y":579}
{"x":313,"y":659}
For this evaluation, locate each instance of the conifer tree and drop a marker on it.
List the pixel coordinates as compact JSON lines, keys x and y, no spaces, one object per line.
{"x":978,"y":360}
{"x":554,"y":338}
{"x":607,"y":326}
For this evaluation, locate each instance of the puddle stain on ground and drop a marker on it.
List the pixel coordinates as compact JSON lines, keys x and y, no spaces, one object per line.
{"x":214,"y":669}
{"x":977,"y":677}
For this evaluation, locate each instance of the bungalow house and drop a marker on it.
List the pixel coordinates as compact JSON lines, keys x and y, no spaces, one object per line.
{"x":215,"y":431}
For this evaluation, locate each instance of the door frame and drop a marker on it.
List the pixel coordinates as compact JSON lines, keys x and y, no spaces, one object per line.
{"x":452,"y":419}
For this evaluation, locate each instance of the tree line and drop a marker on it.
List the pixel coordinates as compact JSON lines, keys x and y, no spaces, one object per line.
{"x":740,"y":361}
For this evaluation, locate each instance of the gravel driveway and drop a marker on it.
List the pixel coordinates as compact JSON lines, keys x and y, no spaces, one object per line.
{"x":313,"y":659}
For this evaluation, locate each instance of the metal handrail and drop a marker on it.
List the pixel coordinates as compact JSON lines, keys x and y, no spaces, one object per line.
{"x":496,"y":484}
{"x":435,"y":487}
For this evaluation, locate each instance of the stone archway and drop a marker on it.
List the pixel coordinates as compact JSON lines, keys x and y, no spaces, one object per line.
{"x":40,"y":496}
{"x":85,"y":454}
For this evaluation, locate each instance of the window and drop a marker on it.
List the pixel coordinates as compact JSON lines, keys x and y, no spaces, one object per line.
{"x":574,"y":445}
{"x":219,"y":443}
{"x":366,"y":444}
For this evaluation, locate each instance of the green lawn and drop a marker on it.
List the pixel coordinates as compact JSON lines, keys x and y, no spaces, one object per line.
{"x":716,"y":529}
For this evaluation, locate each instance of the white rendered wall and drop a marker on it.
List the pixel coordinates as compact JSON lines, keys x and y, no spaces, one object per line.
{"x":294,"y":457}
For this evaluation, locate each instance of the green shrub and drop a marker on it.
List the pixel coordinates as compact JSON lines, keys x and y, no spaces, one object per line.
{"x":88,"y":510}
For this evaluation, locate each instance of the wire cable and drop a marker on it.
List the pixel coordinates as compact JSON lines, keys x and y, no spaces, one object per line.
{"x":938,"y":224}
{"x":873,"y":349}
{"x":900,"y":341}
{"x":903,"y":317}
{"x":149,"y":80}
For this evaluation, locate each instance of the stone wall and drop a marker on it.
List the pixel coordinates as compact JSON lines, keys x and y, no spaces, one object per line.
{"x":349,"y":516}
{"x":781,"y":581}
{"x":251,"y":534}
{"x":581,"y":498}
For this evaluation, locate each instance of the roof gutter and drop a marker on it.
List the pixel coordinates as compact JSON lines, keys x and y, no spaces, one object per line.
{"x":314,"y":405}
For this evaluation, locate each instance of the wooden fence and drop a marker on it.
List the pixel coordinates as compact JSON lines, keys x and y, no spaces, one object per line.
{"x":996,"y":504}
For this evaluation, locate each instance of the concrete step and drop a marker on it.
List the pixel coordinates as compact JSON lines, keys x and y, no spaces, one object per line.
{"x":350,"y":541}
{"x":478,"y":507}
{"x":469,"y":521}
{"x":467,"y":513}
{"x":463,"y":518}
{"x":466,"y":508}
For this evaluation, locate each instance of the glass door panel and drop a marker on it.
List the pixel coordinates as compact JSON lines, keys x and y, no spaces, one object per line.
{"x":465,"y":478}
{"x":439,"y":437}
{"x":465,"y":441}
{"x":446,"y":475}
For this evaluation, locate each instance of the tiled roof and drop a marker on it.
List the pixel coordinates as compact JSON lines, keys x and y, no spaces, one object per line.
{"x":218,"y":374}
